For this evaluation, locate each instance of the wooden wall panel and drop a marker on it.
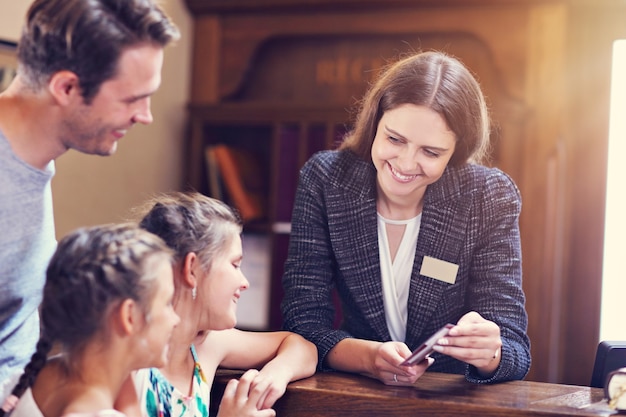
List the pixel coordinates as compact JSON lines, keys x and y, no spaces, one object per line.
{"x":207,"y":54}
{"x":543,"y":170}
{"x":593,"y":28}
{"x":242,"y":34}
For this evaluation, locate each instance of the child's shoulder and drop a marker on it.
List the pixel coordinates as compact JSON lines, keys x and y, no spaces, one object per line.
{"x":102,"y":413}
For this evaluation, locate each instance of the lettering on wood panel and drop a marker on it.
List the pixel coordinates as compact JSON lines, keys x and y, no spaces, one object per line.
{"x":344,"y":71}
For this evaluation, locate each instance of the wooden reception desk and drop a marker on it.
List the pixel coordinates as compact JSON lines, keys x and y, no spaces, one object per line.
{"x":434,"y":394}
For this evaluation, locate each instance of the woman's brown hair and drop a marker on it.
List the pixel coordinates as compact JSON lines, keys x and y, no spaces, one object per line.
{"x":434,"y":80}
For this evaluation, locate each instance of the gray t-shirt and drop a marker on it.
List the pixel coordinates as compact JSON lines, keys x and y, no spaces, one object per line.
{"x":27,"y":241}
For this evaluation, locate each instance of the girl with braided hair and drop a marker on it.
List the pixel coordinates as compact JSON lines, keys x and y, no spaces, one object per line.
{"x":205,"y":234}
{"x":106,"y":310}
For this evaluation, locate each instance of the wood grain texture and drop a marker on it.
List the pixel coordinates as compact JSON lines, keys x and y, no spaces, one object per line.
{"x":340,"y":394}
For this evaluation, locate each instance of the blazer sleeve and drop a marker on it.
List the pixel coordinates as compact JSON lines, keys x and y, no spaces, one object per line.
{"x":307,"y":305}
{"x":496,"y":276}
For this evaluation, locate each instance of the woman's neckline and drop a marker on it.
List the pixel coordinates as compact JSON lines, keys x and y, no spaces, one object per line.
{"x":398,"y":222}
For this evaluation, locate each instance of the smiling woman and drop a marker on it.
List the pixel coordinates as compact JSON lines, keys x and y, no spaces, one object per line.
{"x":8,"y":63}
{"x":412,"y":233}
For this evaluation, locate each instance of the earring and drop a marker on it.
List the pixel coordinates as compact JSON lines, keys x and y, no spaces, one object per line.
{"x":194,"y":292}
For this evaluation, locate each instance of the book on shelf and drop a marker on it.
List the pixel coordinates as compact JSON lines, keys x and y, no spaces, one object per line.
{"x":235,"y":176}
{"x":213,"y":174}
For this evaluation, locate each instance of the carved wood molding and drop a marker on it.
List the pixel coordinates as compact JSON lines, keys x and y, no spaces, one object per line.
{"x":501,"y":29}
{"x":246,"y":6}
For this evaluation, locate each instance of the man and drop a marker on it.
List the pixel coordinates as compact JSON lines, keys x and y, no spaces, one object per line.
{"x":86,"y":71}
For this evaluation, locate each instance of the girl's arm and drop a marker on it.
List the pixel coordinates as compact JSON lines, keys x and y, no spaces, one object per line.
{"x":240,"y":349}
{"x":281,"y":357}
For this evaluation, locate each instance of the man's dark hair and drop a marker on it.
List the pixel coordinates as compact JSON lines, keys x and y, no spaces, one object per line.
{"x":87,"y":37}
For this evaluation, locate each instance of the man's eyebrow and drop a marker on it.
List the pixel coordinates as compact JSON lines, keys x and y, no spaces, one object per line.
{"x":130,"y":99}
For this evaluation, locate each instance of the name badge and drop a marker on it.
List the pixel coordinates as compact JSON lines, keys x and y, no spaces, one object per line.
{"x":439,"y":270}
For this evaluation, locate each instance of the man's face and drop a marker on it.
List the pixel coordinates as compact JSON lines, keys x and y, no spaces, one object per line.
{"x":121,"y":102}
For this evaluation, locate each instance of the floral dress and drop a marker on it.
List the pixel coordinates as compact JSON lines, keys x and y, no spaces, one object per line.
{"x":159,"y":398}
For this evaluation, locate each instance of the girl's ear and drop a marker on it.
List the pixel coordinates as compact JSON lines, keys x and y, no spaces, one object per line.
{"x":191,"y":265}
{"x":64,"y":86}
{"x":128,"y":318}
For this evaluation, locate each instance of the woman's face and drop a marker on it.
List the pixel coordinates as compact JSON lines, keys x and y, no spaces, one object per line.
{"x":161,"y":318}
{"x":222,"y":287}
{"x":411,"y":150}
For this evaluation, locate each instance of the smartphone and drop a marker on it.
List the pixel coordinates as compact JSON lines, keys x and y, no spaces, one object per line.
{"x":421,"y":352}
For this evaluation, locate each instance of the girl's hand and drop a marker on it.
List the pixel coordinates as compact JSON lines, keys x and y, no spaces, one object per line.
{"x":241,"y":398}
{"x":273,"y":383}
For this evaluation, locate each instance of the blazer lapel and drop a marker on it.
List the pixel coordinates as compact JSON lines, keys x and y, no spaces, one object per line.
{"x":354,"y":237}
{"x":442,"y":233}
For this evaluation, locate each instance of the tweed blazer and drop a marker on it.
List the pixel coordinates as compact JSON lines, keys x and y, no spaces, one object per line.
{"x":470,"y":218}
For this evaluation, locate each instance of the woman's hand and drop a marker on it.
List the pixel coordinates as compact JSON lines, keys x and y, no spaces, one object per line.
{"x":475,"y":341}
{"x":387,"y":368}
{"x":241,"y":397}
{"x":376,"y":360}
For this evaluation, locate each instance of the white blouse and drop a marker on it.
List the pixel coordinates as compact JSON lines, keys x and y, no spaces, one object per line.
{"x":396,"y":275}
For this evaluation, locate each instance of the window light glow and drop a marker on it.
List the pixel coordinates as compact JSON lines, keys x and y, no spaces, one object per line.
{"x":612,"y":324}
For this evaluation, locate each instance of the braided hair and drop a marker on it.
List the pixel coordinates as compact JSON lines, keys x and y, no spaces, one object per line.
{"x":191,"y":222}
{"x":91,"y":270}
